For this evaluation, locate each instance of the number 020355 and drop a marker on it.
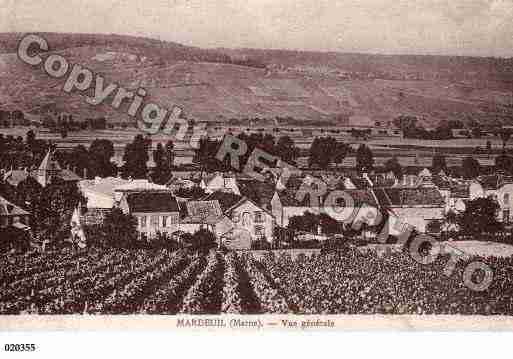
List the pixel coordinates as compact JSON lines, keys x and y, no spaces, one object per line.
{"x":19,"y":347}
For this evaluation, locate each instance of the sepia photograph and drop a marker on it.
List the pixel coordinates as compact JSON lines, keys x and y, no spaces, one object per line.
{"x":254,"y":165}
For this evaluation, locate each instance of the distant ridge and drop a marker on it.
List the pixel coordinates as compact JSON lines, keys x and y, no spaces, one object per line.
{"x":237,"y":85}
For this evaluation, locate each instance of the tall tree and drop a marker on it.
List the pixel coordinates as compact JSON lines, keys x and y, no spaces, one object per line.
{"x":479,"y":217}
{"x":324,"y":151}
{"x":163,"y":158}
{"x":364,"y":158}
{"x":100,"y":154}
{"x":505,"y":135}
{"x":439,"y":164}
{"x":31,"y":137}
{"x":470,"y":167}
{"x":340,"y":152}
{"x":205,"y":155}
{"x":80,"y":161}
{"x":286,"y":149}
{"x":136,"y":158}
{"x":119,"y":229}
{"x":393,"y":165}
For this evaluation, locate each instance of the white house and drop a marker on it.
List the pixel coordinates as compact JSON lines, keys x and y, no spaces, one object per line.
{"x":414,"y":206}
{"x":219,"y":182}
{"x":103,"y":194}
{"x":155,"y":211}
{"x":245,"y":215}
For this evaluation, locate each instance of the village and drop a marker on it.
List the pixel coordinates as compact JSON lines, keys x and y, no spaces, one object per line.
{"x":238,"y":211}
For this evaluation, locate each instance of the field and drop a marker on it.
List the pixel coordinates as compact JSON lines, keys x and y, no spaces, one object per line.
{"x":408,"y":152}
{"x":117,"y":281}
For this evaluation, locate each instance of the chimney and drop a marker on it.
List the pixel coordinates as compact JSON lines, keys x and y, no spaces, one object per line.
{"x":85,"y":173}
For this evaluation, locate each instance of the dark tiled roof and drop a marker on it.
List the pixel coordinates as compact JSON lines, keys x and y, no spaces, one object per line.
{"x":200,"y":212}
{"x":226,"y":199}
{"x":393,"y":197}
{"x":359,"y":197}
{"x":151,"y":202}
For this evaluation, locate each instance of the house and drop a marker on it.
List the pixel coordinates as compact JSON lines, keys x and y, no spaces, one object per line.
{"x":498,"y":187}
{"x":455,"y":192}
{"x":417,"y":207}
{"x":12,"y":216}
{"x":219,"y":182}
{"x":140,"y":185}
{"x":285,"y":203}
{"x":48,"y":172}
{"x":410,"y":178}
{"x":155,"y":211}
{"x":195,"y":215}
{"x":246,"y":216}
{"x":101,"y":196}
{"x":384,"y":179}
{"x":176,"y":184}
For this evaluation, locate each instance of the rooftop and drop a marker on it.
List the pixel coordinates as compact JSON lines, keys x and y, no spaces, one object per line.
{"x":152,"y":202}
{"x":409,"y":197}
{"x":9,"y":209}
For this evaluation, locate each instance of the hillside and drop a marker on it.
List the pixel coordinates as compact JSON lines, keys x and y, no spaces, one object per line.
{"x":218,"y":85}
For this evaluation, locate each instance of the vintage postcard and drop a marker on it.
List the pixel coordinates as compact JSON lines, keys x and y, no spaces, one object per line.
{"x":256,"y":165}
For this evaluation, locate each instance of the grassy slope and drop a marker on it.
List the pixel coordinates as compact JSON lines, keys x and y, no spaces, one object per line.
{"x":208,"y":88}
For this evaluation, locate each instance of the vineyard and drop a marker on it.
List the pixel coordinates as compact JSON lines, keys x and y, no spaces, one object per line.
{"x":118,"y":281}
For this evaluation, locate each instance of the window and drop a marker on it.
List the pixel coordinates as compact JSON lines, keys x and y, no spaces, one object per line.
{"x":143,"y":221}
{"x":506,"y":199}
{"x":164,"y":221}
{"x":259,"y":231}
{"x":154,"y":221}
{"x":245,"y":219}
{"x":505,"y":216}
{"x":259,"y":217}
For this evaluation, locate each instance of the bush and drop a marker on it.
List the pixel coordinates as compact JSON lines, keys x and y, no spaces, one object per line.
{"x":120,"y":230}
{"x":203,"y":239}
{"x":163,"y":240}
{"x":13,"y":238}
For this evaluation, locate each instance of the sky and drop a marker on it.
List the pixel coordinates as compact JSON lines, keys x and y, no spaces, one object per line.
{"x":446,"y":27}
